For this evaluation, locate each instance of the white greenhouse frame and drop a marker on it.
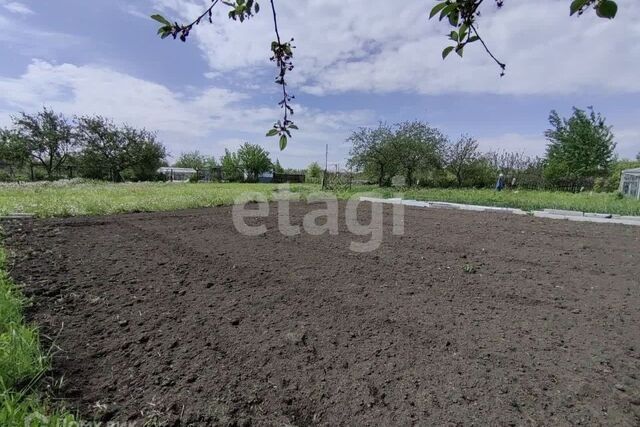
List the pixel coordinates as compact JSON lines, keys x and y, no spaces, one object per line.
{"x":630,"y":183}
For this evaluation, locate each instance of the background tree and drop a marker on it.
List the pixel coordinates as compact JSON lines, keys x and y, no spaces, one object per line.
{"x":146,"y":154}
{"x":193,"y":159}
{"x":461,"y":157}
{"x":117,"y":153}
{"x":231,"y":167}
{"x":14,"y":153}
{"x":417,"y":147}
{"x":104,"y":153}
{"x":581,"y":146}
{"x":638,"y":157}
{"x":254,"y":160}
{"x":510,"y":163}
{"x":48,"y":138}
{"x":277,"y":167}
{"x":212,"y":167}
{"x":198,"y":161}
{"x":314,"y":172}
{"x":372,"y":152}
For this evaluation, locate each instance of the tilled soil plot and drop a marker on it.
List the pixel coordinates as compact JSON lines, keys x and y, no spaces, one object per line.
{"x":468,"y":318}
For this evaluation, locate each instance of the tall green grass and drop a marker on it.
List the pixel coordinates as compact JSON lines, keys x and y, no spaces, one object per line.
{"x":99,"y":198}
{"x":22,"y":362}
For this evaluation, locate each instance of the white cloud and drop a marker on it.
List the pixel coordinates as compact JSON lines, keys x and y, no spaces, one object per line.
{"x":208,"y":120}
{"x":353,"y":46}
{"x":94,"y":90}
{"x":16,"y":7}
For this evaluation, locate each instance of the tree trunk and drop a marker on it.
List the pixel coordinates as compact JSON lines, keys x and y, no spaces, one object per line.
{"x":409,"y":178}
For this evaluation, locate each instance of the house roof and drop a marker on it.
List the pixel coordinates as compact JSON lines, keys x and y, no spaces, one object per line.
{"x":635,"y":171}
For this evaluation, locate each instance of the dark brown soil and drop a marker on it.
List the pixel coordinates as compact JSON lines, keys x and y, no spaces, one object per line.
{"x":469,"y":318}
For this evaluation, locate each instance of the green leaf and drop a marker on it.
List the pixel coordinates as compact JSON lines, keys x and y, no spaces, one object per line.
{"x":272,"y":132}
{"x":463,"y":31}
{"x":473,"y":39}
{"x":576,"y":5}
{"x":460,"y":50}
{"x":293,"y":127}
{"x":453,"y":36}
{"x":161,"y":19}
{"x":607,"y":9}
{"x":447,"y":50}
{"x":437,"y":8}
{"x":283,"y":142}
{"x":453,"y":18}
{"x":446,"y":11}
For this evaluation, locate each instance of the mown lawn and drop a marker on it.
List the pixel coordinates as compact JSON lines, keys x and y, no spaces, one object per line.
{"x":97,"y":198}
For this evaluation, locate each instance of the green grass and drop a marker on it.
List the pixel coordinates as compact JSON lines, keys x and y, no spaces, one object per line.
{"x":22,"y":362}
{"x":98,"y":198}
{"x":533,"y":200}
{"x":527,"y":200}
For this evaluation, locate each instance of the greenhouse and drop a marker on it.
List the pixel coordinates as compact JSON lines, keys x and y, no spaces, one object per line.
{"x":177,"y":174}
{"x":630,"y":183}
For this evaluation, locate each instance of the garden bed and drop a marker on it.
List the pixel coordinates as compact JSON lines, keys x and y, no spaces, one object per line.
{"x":469,"y":317}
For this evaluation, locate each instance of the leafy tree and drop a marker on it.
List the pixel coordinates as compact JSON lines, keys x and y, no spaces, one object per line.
{"x":372,"y":151}
{"x":462,"y":15}
{"x":145,"y":152}
{"x":314,"y":172}
{"x":211,"y":166}
{"x":231,"y":166}
{"x":198,"y":161}
{"x":194,"y":160}
{"x":14,"y":153}
{"x":277,"y":167}
{"x":581,"y":146}
{"x":48,"y":138}
{"x":117,"y":153}
{"x":510,"y":163}
{"x":417,"y":147}
{"x":638,"y":157}
{"x":462,"y":157}
{"x":254,"y":160}
{"x":104,"y":153}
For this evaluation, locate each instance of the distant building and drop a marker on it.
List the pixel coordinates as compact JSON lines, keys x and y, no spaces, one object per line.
{"x":177,"y":174}
{"x":630,"y":183}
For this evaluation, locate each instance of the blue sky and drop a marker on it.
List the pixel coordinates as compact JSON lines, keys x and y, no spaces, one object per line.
{"x":357,"y":63}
